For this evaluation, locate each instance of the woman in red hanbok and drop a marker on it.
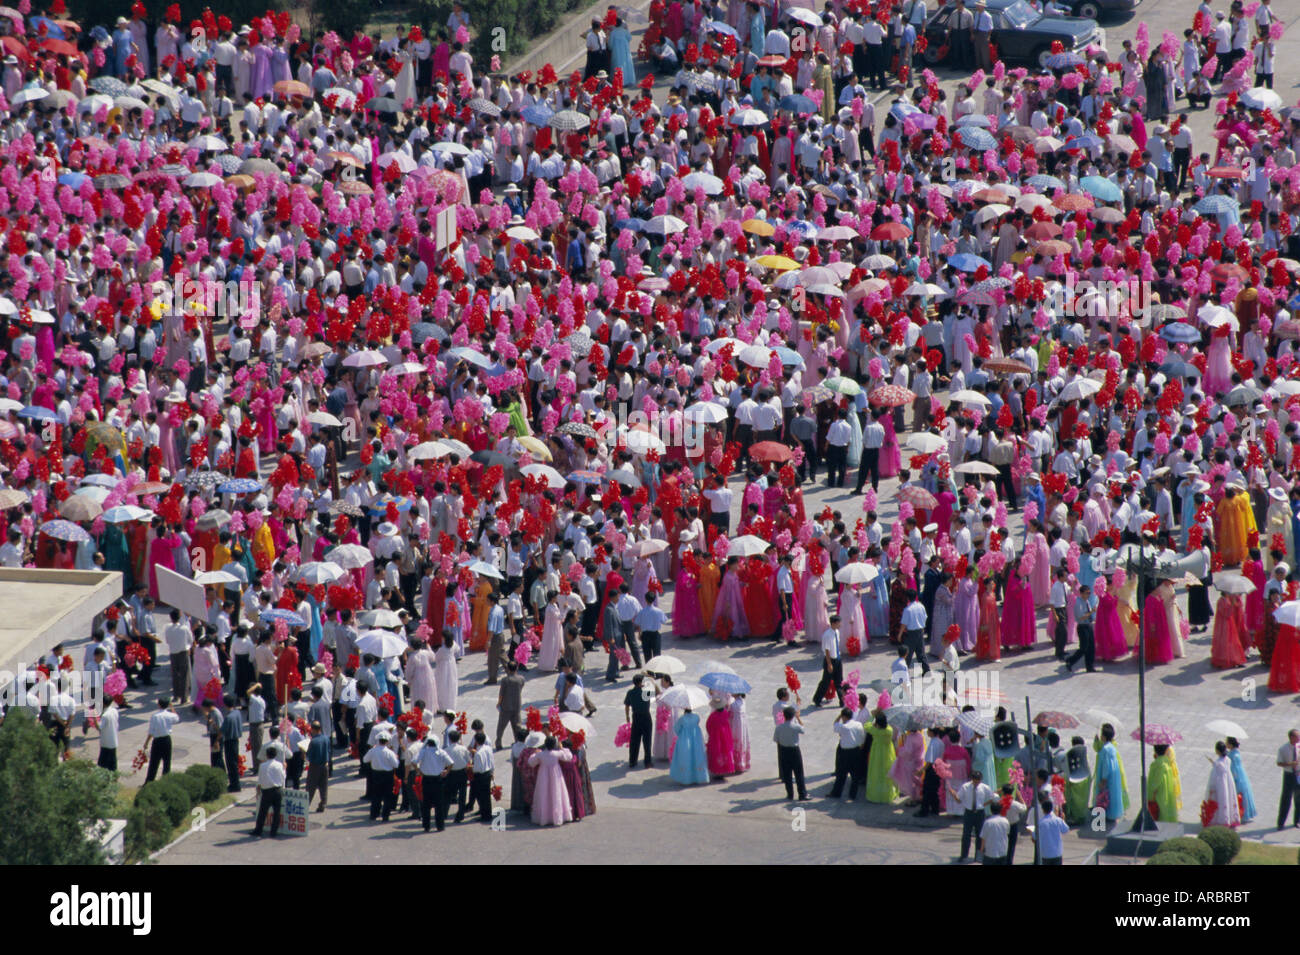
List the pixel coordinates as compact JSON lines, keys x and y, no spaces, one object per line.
{"x":1253,"y":619}
{"x":1159,"y":641}
{"x":161,"y":550}
{"x":286,"y":666}
{"x":1228,"y":648}
{"x":722,"y":742}
{"x":758,"y":580}
{"x":988,"y":645}
{"x":1019,"y":628}
{"x":1111,"y":643}
{"x":1284,"y":668}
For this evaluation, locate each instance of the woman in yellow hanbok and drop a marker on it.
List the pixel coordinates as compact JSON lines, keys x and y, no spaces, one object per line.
{"x":1235,"y":521}
{"x":709,"y":577}
{"x":478,"y":636}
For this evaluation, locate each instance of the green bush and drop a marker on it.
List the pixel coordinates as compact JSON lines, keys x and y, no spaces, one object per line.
{"x":48,"y":807}
{"x":148,"y":826}
{"x":1198,"y":849}
{"x":1172,"y":858}
{"x":1224,"y":841}
{"x":192,"y":785}
{"x":174,"y":796}
{"x":213,"y":782}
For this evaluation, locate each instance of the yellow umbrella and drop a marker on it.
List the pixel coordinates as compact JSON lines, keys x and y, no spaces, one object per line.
{"x":100,"y":432}
{"x":758,"y":227}
{"x":782,"y":262}
{"x":535,"y":447}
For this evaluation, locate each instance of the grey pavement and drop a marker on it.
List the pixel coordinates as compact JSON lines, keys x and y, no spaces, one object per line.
{"x":746,"y":818}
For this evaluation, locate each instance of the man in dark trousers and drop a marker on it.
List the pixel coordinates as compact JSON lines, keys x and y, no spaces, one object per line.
{"x":1287,"y":758}
{"x":318,"y":764}
{"x":789,"y":758}
{"x":510,"y":701}
{"x":319,"y":712}
{"x":435,"y":766}
{"x":611,"y":632}
{"x":232,"y":730}
{"x":159,"y":740}
{"x":636,"y":710}
{"x":270,"y":787}
{"x":832,"y":664}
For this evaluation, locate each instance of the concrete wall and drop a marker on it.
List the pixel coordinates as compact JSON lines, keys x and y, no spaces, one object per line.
{"x":39,"y":608}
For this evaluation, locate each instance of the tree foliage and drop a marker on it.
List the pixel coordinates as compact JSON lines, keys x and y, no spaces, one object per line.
{"x":49,"y":809}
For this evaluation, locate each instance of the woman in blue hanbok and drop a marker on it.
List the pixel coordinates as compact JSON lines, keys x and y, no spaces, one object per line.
{"x":981,"y":758}
{"x":317,"y":630}
{"x":1239,"y":777}
{"x":875,"y":604}
{"x":690,"y":762}
{"x":620,"y":54}
{"x":855,"y":439}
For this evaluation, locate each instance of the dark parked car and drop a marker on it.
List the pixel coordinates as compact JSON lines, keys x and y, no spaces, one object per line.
{"x":1020,"y":33}
{"x":1096,"y":9}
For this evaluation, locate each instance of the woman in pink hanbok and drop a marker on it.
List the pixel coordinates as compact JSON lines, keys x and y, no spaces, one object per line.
{"x":1040,"y":577}
{"x":1018,"y":624}
{"x":966,"y":611}
{"x":740,"y":732}
{"x":958,"y":760}
{"x":729,"y":614}
{"x":891,"y":457}
{"x":687,"y":621}
{"x":853,"y":623}
{"x":910,"y":754}
{"x":1218,"y":362}
{"x":816,"y":614}
{"x":161,"y":550}
{"x":721,"y":746}
{"x":1159,"y":643}
{"x":1110,"y":641}
{"x":550,"y":804}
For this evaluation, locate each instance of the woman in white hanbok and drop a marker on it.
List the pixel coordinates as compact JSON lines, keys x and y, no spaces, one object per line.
{"x":1221,"y":789}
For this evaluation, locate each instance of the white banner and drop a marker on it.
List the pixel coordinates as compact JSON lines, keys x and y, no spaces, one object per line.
{"x":180,"y":592}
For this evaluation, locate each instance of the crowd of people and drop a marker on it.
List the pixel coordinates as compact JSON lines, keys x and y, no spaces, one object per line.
{"x":403,"y":358}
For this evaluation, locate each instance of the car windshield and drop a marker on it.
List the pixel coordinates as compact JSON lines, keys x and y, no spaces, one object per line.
{"x":1019,"y":14}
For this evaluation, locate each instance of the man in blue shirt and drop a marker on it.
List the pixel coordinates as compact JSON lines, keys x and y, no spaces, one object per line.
{"x":496,"y":625}
{"x":914,"y":621}
{"x":649,"y":621}
{"x":575,"y":261}
{"x":1048,"y":835}
{"x":1085,"y":614}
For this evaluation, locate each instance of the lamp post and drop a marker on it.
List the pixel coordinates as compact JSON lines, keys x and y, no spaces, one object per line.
{"x":1143,"y":823}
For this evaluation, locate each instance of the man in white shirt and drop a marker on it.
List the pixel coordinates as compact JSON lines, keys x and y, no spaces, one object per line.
{"x":159,"y":739}
{"x":108,"y":726}
{"x":850,"y":757}
{"x":973,"y":796}
{"x":270,"y":788}
{"x":180,"y":640}
{"x":837,"y":450}
{"x":832,"y":664}
{"x":873,"y":439}
{"x":995,"y":835}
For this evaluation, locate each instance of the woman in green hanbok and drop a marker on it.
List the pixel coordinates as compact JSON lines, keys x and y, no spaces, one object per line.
{"x":880,"y":787}
{"x":1077,"y":805}
{"x":1164,"y":785}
